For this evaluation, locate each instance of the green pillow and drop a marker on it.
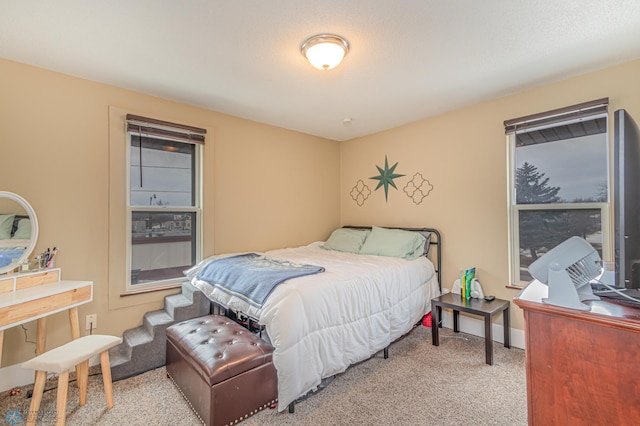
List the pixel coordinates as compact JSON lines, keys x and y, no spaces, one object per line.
{"x":24,"y":230}
{"x":347,"y":240}
{"x":394,"y":243}
{"x":6,"y":223}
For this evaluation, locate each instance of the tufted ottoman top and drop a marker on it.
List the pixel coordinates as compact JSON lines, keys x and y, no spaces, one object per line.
{"x":218,"y":348}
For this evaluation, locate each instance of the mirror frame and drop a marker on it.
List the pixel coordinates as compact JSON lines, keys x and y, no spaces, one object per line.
{"x":34,"y":230}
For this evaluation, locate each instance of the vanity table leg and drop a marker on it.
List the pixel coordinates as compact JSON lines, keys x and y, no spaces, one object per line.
{"x":41,"y":335}
{"x":75,"y":333}
{"x":1,"y":339}
{"x":75,"y":324}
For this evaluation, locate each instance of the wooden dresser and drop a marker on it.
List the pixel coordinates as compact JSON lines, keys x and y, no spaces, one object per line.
{"x":583,"y":367}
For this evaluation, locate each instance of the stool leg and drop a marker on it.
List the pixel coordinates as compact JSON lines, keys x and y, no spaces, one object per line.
{"x":36,"y":397}
{"x":82,"y":375}
{"x":61,"y":401}
{"x":106,"y":377}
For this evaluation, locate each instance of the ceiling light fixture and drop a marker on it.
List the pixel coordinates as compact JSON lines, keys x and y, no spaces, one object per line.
{"x":325,"y":51}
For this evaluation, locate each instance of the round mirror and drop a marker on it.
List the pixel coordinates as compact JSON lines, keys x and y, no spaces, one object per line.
{"x":18,"y":231}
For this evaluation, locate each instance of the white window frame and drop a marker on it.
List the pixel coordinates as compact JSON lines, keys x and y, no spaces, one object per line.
{"x":515,"y":209}
{"x":197,"y":209}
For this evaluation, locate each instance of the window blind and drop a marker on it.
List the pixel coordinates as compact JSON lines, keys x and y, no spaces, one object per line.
{"x":151,"y":127}
{"x":582,"y":110}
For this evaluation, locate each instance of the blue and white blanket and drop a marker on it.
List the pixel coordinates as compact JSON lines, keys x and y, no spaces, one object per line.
{"x":252,"y":277}
{"x":9,"y":255}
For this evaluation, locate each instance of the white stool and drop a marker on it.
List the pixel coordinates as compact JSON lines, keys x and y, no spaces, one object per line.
{"x":60,"y":360}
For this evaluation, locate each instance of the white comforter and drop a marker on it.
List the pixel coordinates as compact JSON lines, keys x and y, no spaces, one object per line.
{"x":320,"y":324}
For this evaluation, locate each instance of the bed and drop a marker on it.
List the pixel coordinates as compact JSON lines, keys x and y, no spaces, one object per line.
{"x":355,"y":307}
{"x":15,"y":233}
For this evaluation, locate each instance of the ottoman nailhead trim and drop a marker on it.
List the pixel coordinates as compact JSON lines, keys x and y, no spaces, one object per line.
{"x":246,"y":416}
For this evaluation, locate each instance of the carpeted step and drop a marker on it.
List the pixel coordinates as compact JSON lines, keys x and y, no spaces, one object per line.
{"x":119,"y":355}
{"x":137,"y":336}
{"x":144,"y":347}
{"x":156,"y":319}
{"x":191,"y":303}
{"x":175,"y":301}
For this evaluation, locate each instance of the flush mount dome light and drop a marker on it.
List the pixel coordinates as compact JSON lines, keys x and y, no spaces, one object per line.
{"x":325,"y":51}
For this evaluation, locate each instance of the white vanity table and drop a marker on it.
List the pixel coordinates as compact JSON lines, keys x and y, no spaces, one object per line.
{"x":35,"y":295}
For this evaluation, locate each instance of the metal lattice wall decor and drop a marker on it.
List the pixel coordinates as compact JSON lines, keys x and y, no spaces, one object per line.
{"x":360,"y":192}
{"x":417,"y":188}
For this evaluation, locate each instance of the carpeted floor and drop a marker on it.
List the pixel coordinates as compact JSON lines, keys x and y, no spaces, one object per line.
{"x":419,"y":384}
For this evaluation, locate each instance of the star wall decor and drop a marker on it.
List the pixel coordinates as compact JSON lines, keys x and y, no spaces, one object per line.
{"x":386,"y":177}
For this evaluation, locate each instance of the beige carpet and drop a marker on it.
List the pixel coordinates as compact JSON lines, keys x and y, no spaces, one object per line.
{"x":419,"y":384}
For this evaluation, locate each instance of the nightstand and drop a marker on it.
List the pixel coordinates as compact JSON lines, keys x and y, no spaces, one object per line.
{"x":475,"y":307}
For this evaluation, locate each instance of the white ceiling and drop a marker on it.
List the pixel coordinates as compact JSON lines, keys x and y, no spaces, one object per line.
{"x":409,"y":59}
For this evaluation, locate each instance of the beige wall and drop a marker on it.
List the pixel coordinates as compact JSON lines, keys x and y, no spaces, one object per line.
{"x":463,"y":154}
{"x":264,"y":186}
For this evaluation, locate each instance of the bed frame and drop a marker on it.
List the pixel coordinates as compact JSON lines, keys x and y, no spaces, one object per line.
{"x":429,"y":233}
{"x":16,"y":219}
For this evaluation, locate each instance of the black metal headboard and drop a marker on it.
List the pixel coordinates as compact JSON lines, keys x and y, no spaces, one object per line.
{"x":16,"y":219}
{"x":434,"y":238}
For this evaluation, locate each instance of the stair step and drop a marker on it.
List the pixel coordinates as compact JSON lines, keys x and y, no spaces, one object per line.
{"x":137,"y":336}
{"x":156,"y":320}
{"x":188,"y":290}
{"x":119,"y":359}
{"x":119,"y":354}
{"x":158,"y":317}
{"x":175,"y":301}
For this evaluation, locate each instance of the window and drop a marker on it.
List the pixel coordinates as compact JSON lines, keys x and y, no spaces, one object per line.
{"x":558,"y":183}
{"x":163,"y":203}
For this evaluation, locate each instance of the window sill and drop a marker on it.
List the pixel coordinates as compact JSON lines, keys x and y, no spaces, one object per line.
{"x":514,"y":287}
{"x":151,"y":290}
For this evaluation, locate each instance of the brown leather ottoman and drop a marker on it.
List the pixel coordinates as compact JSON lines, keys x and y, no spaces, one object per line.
{"x":224,"y":371}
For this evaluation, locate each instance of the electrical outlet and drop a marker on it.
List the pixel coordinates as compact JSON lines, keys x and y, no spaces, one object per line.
{"x":91,"y":321}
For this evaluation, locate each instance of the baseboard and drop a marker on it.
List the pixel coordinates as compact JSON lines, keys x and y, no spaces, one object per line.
{"x":14,"y":376}
{"x":475,"y":327}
